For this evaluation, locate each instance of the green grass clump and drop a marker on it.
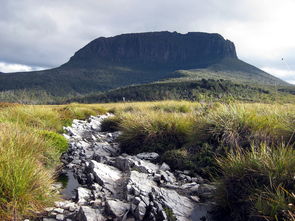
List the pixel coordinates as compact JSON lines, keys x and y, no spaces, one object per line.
{"x":25,"y":185}
{"x":76,"y":111}
{"x":111,"y":124}
{"x":153,"y":131}
{"x":178,"y":159}
{"x":58,"y":141}
{"x":170,"y":108}
{"x":31,"y":116}
{"x":170,"y":214}
{"x":258,"y":183}
{"x":239,"y":125}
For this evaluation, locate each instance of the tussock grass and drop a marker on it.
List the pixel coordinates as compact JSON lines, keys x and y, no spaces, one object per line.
{"x":30,"y":148}
{"x":111,"y":124}
{"x":250,"y":147}
{"x":240,"y":125}
{"x":258,"y":183}
{"x":25,"y":184}
{"x":201,"y":137}
{"x":153,"y":131}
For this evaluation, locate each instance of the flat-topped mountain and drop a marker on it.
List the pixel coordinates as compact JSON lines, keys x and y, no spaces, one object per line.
{"x":140,"y":58}
{"x":164,"y":50}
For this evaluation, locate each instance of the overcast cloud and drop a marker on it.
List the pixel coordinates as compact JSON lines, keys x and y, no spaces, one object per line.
{"x":46,"y":33}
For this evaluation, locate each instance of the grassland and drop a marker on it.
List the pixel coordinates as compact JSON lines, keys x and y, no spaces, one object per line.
{"x":246,"y":148}
{"x":30,"y":148}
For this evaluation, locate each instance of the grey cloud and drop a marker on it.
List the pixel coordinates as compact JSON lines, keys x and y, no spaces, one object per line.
{"x":46,"y":33}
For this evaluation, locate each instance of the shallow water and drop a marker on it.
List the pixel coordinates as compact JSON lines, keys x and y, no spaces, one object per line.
{"x":69,"y":184}
{"x":200,"y":213}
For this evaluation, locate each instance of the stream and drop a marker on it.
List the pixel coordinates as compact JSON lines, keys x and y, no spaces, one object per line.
{"x":101,"y":183}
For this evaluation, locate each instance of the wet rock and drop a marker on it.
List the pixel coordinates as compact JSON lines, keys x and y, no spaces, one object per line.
{"x":105,"y":175}
{"x":140,"y":211}
{"x":147,"y":156}
{"x":167,"y":176}
{"x":193,"y":186}
{"x":206,"y":190}
{"x":58,"y":210}
{"x":195,"y":198}
{"x":117,"y":208}
{"x":143,"y":166}
{"x":88,"y":214}
{"x":112,"y":185}
{"x":164,"y":167}
{"x":122,"y":163}
{"x":141,"y":181}
{"x":60,"y":217}
{"x":181,"y":206}
{"x":105,"y":149}
{"x":49,"y":219}
{"x":83,"y":195}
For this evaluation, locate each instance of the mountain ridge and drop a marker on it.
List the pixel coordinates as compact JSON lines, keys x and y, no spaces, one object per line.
{"x":140,"y":58}
{"x":155,"y":50}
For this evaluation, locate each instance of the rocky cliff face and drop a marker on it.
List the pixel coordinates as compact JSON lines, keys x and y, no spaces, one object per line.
{"x":156,"y":50}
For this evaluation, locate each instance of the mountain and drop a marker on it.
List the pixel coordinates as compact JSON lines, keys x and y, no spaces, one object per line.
{"x":155,"y":50}
{"x":141,"y":58}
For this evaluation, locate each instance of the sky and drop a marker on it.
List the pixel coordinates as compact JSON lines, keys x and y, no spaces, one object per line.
{"x":38,"y":34}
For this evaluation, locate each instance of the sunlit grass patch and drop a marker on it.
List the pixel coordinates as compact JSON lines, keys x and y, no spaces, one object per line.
{"x":25,"y":185}
{"x":153,"y":131}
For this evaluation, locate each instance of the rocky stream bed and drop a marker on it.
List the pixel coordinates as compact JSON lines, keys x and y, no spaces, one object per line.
{"x":104,"y":184}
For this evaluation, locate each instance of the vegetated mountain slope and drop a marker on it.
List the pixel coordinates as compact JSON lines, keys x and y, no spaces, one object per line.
{"x":187,"y":90}
{"x":108,"y":63}
{"x":234,"y":70}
